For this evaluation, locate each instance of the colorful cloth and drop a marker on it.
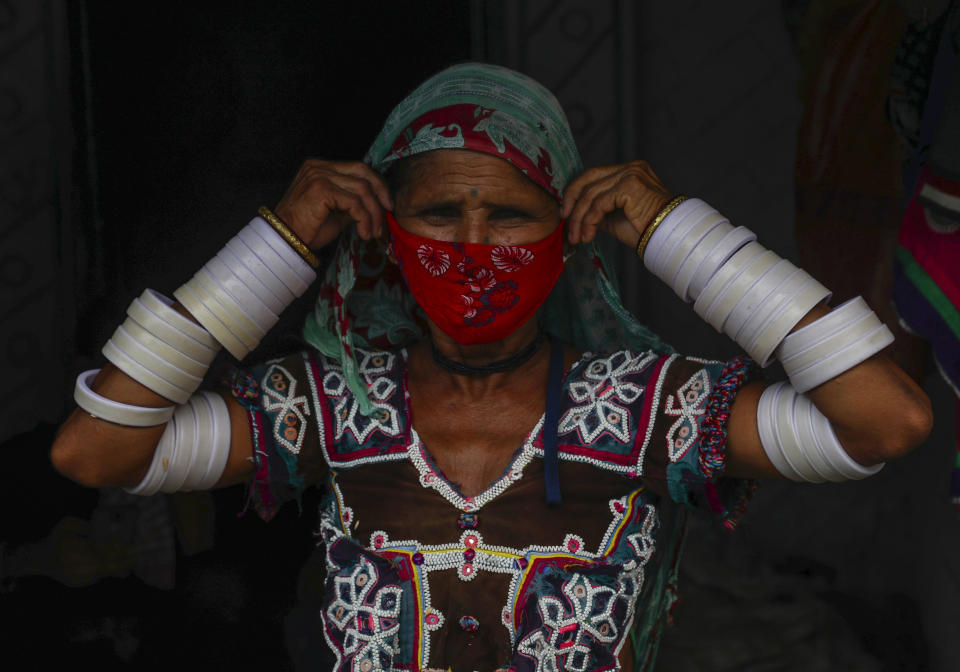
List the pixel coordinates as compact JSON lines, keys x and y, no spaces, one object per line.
{"x":927,"y":287}
{"x":486,"y":108}
{"x":363,"y":301}
{"x":499,"y":580}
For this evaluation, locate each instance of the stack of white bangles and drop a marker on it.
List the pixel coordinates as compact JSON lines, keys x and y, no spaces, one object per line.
{"x":236,"y":297}
{"x":756,"y":298}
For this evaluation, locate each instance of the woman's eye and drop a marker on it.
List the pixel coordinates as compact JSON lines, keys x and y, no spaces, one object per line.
{"x":507,"y":214}
{"x":435,"y":214}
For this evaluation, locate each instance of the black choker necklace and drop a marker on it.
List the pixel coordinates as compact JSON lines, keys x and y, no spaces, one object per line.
{"x":508,"y":364}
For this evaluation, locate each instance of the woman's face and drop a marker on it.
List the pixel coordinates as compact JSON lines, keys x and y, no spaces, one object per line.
{"x":462,"y":196}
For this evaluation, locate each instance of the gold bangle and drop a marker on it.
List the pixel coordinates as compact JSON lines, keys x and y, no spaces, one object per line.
{"x":289,"y":236}
{"x":652,"y":226}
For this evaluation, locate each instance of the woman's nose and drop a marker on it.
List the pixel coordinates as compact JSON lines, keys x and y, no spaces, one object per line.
{"x":474,"y":228}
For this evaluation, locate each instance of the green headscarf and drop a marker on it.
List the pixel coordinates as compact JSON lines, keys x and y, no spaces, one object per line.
{"x":363,"y":302}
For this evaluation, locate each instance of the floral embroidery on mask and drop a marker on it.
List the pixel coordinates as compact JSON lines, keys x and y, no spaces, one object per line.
{"x":509,"y":259}
{"x":485,"y":296}
{"x":437,"y":262}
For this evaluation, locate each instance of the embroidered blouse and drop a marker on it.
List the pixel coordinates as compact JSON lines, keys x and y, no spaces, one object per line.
{"x":422,"y":577}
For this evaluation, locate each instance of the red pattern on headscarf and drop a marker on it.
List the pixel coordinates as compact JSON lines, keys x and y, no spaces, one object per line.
{"x":478,"y":128}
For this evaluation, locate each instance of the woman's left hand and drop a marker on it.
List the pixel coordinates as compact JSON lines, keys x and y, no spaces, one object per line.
{"x":621,"y":200}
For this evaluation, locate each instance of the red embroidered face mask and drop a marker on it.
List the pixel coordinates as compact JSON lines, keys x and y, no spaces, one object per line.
{"x":477,"y":293}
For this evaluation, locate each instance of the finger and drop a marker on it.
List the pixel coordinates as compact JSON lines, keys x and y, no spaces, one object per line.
{"x":573,"y":191}
{"x":601,"y":206}
{"x":364,"y":190}
{"x":374,"y":179}
{"x":352,"y":204}
{"x":584,"y":204}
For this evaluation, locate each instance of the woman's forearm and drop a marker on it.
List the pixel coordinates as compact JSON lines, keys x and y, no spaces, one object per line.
{"x":877,"y":411}
{"x":98,"y":453}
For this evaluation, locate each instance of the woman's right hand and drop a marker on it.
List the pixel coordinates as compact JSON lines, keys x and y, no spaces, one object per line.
{"x":327,"y":196}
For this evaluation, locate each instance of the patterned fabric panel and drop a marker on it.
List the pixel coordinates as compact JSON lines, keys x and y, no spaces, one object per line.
{"x":353,"y":438}
{"x":603,"y":410}
{"x":569,"y":614}
{"x":364,"y":622}
{"x":685,"y":447}
{"x":564,"y":607}
{"x":660,"y":417}
{"x":303,"y":420}
{"x":285,"y":429}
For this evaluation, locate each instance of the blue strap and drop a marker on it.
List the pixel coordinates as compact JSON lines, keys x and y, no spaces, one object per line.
{"x":551,"y":421}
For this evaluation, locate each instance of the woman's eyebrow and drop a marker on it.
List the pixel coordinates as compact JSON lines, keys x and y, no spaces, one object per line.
{"x":439,"y":205}
{"x":525,"y":208}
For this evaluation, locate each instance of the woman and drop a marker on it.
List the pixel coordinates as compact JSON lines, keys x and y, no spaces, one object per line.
{"x":556,"y":465}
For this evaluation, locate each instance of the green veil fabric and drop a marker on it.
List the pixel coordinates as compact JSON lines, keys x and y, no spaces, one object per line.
{"x":363,"y":303}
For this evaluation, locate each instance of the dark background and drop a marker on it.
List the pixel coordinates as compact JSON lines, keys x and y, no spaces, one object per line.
{"x":184,"y":118}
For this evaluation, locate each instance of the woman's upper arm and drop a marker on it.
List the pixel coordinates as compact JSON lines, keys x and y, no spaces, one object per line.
{"x":240,"y":465}
{"x":745,"y":455}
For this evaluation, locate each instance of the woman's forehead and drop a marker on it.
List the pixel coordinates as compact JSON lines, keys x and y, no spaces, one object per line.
{"x":462,"y":172}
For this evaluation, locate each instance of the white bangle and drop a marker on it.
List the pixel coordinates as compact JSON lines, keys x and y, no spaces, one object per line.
{"x":163,"y":307}
{"x":150,"y":483}
{"x":818,"y":354}
{"x":226,"y":308}
{"x":799,"y":440}
{"x":789,"y":445}
{"x":726,"y":274}
{"x":243,"y":295}
{"x":184,"y":449}
{"x":273,"y":261}
{"x":150,"y":322}
{"x":845,"y":358}
{"x":689,"y":245}
{"x":163,"y":350}
{"x":194,"y":448}
{"x":226,"y":258}
{"x":694,"y":260}
{"x":186,"y":295}
{"x":671,"y":231}
{"x":833,"y":344}
{"x":154,"y":363}
{"x":757,"y":296}
{"x":114,"y":411}
{"x":143,"y":375}
{"x":204,"y":446}
{"x":764,"y":332}
{"x":818,"y":330}
{"x":833,"y":450}
{"x":717,"y":256}
{"x":238,"y":295}
{"x":292,"y":258}
{"x":803,"y":410}
{"x":766,"y":427}
{"x":257,"y":269}
{"x":220,"y":441}
{"x":796,"y":281}
{"x":737,"y":287}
